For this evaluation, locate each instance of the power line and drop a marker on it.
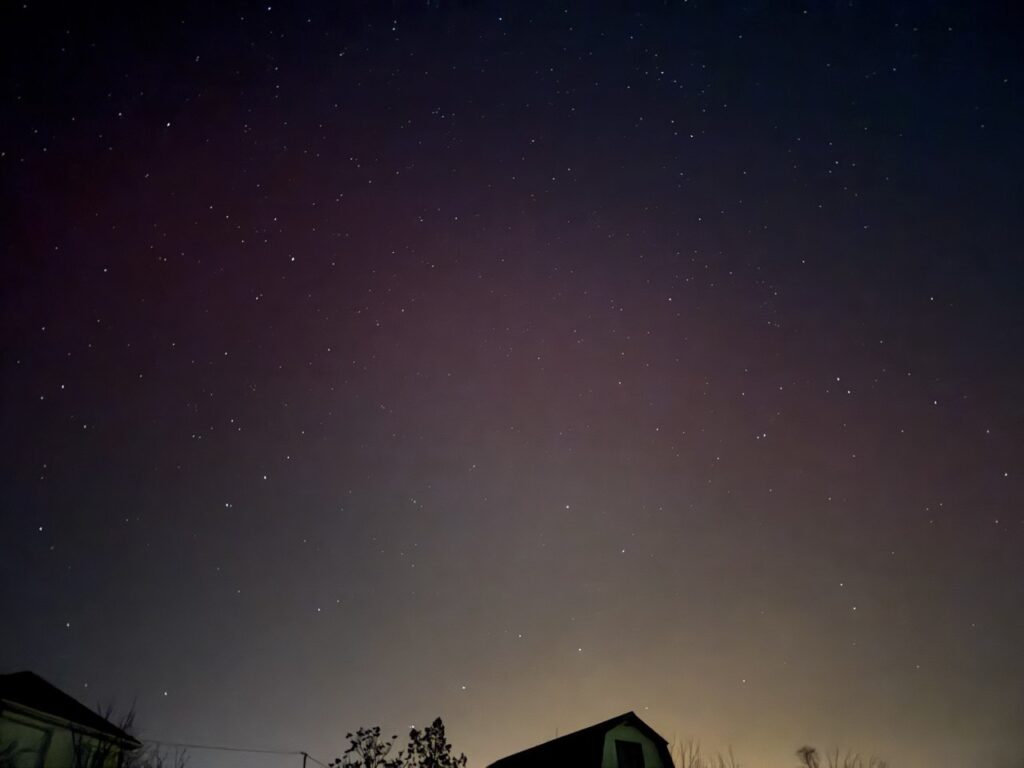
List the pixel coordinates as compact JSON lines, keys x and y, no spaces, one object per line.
{"x":222,"y":748}
{"x":250,"y":750}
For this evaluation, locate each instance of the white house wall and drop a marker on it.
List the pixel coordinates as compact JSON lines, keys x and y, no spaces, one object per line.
{"x":22,"y":743}
{"x":45,"y":745}
{"x":629,"y":733}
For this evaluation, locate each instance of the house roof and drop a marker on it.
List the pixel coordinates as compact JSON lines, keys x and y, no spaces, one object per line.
{"x":27,"y":690}
{"x":580,"y":748}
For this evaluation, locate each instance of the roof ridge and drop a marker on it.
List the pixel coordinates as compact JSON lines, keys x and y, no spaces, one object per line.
{"x":28,"y":690}
{"x":578,"y":739}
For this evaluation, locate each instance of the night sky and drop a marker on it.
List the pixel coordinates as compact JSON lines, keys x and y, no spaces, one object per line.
{"x":521,"y":364}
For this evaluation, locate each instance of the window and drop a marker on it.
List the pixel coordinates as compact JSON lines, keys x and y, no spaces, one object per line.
{"x":630,"y":754}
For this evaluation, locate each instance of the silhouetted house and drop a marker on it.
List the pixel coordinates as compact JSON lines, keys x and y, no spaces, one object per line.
{"x":625,"y":741}
{"x":43,"y":727}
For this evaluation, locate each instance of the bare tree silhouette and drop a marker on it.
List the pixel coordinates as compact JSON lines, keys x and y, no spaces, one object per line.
{"x":368,"y":750}
{"x":809,"y":758}
{"x":428,"y":748}
{"x":690,"y":756}
{"x":89,"y":752}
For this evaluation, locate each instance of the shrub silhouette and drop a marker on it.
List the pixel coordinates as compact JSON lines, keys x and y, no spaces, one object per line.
{"x":428,"y":748}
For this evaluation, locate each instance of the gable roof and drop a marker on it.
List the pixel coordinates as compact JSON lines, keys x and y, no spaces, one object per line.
{"x":581,"y":748}
{"x":27,"y":690}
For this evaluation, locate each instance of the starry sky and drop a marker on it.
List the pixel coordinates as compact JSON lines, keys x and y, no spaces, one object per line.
{"x":519,"y":363}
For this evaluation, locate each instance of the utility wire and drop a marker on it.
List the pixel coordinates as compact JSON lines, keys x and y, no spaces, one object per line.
{"x":250,"y":750}
{"x":221,"y":748}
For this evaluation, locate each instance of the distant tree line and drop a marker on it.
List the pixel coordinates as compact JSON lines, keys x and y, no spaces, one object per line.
{"x":810,"y":758}
{"x":690,"y":756}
